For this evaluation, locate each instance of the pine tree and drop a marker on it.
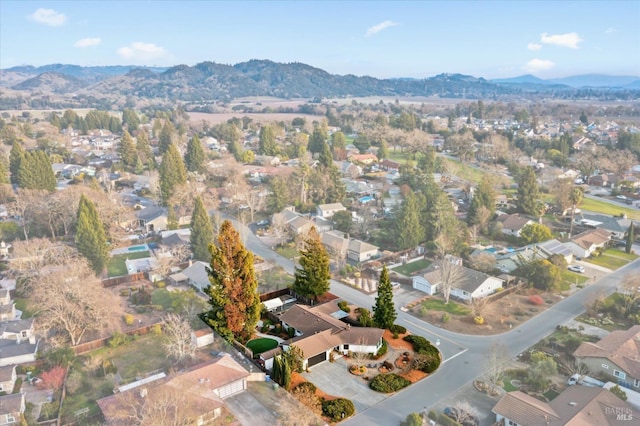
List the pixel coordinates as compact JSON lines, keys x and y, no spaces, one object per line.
{"x":527,"y":201}
{"x":384,"y":311}
{"x":383,"y":151}
{"x":312,"y":277}
{"x":325,"y":158}
{"x":233,"y":292}
{"x":194,"y":157}
{"x":201,"y":232}
{"x":172,"y":172}
{"x":630,"y":239}
{"x":127,"y":150}
{"x":130,"y":119}
{"x":316,"y":141}
{"x":267,"y":144}
{"x":172,"y":218}
{"x":91,"y":239}
{"x":4,"y":173}
{"x":167,"y":135}
{"x":144,"y":148}
{"x":35,"y":172}
{"x":15,"y":158}
{"x":408,"y":226}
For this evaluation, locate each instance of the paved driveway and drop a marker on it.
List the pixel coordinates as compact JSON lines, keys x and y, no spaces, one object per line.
{"x":249,"y":411}
{"x":335,"y":379}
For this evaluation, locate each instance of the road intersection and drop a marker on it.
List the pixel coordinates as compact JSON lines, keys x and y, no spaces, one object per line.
{"x":464,"y":356}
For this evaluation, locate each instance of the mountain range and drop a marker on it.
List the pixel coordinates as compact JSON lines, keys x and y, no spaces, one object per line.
{"x":209,"y":81}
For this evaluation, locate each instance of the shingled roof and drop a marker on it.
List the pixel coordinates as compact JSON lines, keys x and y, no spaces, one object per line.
{"x":620,"y":347}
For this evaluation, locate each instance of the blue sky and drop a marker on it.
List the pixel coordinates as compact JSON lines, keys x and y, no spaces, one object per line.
{"x":381,"y":39}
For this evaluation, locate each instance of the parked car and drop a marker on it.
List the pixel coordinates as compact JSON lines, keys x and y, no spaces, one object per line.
{"x":576,"y":268}
{"x":262,"y":223}
{"x":395,"y":285}
{"x":468,"y":419}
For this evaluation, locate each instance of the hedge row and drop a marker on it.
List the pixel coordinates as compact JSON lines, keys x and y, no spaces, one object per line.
{"x":430,"y":355}
{"x":388,"y":382}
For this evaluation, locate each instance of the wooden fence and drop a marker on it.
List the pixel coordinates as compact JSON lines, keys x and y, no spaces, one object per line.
{"x":114,"y":281}
{"x":99,"y":343}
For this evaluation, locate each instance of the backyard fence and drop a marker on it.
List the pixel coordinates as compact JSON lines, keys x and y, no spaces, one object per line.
{"x":99,"y":343}
{"x":112,"y":282}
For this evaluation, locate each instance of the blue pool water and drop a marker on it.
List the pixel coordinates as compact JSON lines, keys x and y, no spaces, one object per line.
{"x":366,"y":199}
{"x":138,"y":248}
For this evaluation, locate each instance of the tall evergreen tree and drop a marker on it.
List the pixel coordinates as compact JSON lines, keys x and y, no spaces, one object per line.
{"x":194,"y":157}
{"x":91,"y":239}
{"x":172,"y":172}
{"x":267,"y":145}
{"x":201,"y":232}
{"x":131,"y":120}
{"x":316,"y":141}
{"x":527,"y":201}
{"x":233,"y":289}
{"x":630,"y":239}
{"x":35,"y":172}
{"x":15,"y":158}
{"x":127,"y":150}
{"x":4,"y":173}
{"x":383,"y":151}
{"x":144,"y":148}
{"x":409,"y":230}
{"x":166,"y":137}
{"x":312,"y":277}
{"x":325,"y":158}
{"x":384,"y":311}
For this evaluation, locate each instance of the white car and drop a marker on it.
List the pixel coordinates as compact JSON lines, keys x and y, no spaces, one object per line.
{"x":576,"y":268}
{"x":395,"y":285}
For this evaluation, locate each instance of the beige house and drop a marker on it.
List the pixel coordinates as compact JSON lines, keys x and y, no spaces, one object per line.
{"x":328,"y":210}
{"x":585,"y":243}
{"x":615,"y":357}
{"x":512,"y":224}
{"x":11,"y":409}
{"x":339,"y":244}
{"x":576,"y":406}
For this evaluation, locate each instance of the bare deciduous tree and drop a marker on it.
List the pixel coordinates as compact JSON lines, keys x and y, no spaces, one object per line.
{"x":450,"y":274}
{"x":463,"y":412}
{"x":495,"y":365}
{"x":71,"y":300}
{"x":178,"y":342}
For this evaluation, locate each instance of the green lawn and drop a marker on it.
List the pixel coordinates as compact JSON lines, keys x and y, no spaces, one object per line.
{"x":162,"y":297}
{"x":409,"y":268}
{"x":262,"y":344}
{"x":399,"y":156}
{"x":452,"y":307}
{"x":569,"y":278}
{"x":603,"y":207}
{"x":141,"y":356}
{"x":622,"y":254}
{"x":288,"y":252}
{"x":21,"y":305}
{"x":116,"y":266}
{"x":607,"y":261}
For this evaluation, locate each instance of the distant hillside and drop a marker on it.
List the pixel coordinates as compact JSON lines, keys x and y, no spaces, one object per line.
{"x":596,"y":80}
{"x":208,"y":81}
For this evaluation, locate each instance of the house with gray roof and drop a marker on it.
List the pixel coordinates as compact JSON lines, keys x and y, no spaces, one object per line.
{"x":12,"y":408}
{"x":195,"y":275}
{"x":617,"y":226}
{"x":470,"y":284}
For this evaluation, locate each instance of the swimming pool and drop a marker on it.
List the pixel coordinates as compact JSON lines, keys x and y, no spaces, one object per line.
{"x":366,"y":199}
{"x":138,"y":248}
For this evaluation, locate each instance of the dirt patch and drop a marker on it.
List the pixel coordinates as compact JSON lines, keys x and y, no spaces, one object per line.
{"x":397,"y":344}
{"x":499,"y":316}
{"x":413,"y":375}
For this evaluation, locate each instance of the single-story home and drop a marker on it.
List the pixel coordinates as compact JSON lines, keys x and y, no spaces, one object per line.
{"x":617,"y":226}
{"x":512,"y":224}
{"x":195,"y":275}
{"x":339,"y":243}
{"x":328,"y":210}
{"x":469,"y":284}
{"x":152,"y":219}
{"x":11,"y":409}
{"x":8,"y":378}
{"x":585,"y":243}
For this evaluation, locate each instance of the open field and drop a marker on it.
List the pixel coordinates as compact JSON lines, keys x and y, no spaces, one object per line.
{"x":212,"y":118}
{"x":598,"y":206}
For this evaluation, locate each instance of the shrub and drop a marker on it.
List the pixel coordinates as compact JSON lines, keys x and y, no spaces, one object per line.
{"x":536,"y":299}
{"x":388,"y":382}
{"x":160,"y":284}
{"x":344,"y":306}
{"x":427,"y":356}
{"x":305,"y":386}
{"x":383,"y":350}
{"x":338,"y":409}
{"x":478,"y":320}
{"x":128,"y":319}
{"x":446,"y":317}
{"x":118,"y":339}
{"x":397,"y":328}
{"x":291,"y":331}
{"x":423,"y":311}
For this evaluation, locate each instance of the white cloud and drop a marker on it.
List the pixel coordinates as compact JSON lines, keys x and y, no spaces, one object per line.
{"x":570,"y":40}
{"x":87,"y":42}
{"x":139,"y":51}
{"x":48,"y":17}
{"x":534,"y":46}
{"x":379,"y":27}
{"x":537,"y":65}
{"x":610,"y":30}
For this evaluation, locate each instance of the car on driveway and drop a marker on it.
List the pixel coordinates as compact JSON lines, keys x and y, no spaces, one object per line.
{"x":467,"y":419}
{"x":262,"y":223}
{"x":395,"y":285}
{"x":576,"y":268}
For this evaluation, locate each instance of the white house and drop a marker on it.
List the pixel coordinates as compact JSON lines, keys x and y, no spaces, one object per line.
{"x":328,"y":210}
{"x":585,"y":243}
{"x":512,"y":224}
{"x":469,"y":285}
{"x":195,"y":275}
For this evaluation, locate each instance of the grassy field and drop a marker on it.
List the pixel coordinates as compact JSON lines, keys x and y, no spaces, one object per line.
{"x":599,"y":206}
{"x":288,"y":252}
{"x":569,"y":278}
{"x":452,"y":308}
{"x":117,"y":267}
{"x":21,"y":305}
{"x":262,"y":344}
{"x":409,"y":268}
{"x":619,"y":253}
{"x":607,"y":261}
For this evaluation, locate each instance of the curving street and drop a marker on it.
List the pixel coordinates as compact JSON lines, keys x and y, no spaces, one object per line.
{"x":463,"y":355}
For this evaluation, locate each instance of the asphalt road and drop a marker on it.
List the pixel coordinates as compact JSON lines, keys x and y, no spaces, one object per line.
{"x":463,"y":355}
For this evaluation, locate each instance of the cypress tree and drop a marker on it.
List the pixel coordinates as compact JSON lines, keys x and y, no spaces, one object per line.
{"x":630,"y":239}
{"x":127,"y":150}
{"x":144,"y":149}
{"x":15,"y":158}
{"x":527,"y":201}
{"x":201,"y":232}
{"x":194,"y":157}
{"x":91,"y":239}
{"x":172,"y":172}
{"x":409,"y":229}
{"x":384,"y":311}
{"x":267,"y":144}
{"x":312,"y":277}
{"x":233,"y":289}
{"x":167,"y":134}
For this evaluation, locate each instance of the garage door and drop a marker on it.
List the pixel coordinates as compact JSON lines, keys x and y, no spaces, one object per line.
{"x":317,"y":359}
{"x":231,"y":389}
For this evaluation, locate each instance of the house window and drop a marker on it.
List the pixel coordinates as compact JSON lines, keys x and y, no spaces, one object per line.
{"x":605,"y":366}
{"x":636,"y":383}
{"x":24,"y":334}
{"x":10,"y":418}
{"x":346,"y":346}
{"x":619,"y":374}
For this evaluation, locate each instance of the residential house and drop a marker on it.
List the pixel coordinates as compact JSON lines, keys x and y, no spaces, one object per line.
{"x":617,"y":226}
{"x":349,"y":169}
{"x":575,"y":406}
{"x":390,"y":165}
{"x":339,"y":244}
{"x":292,"y":221}
{"x":174,"y":240}
{"x":512,"y":224}
{"x":365,"y":159}
{"x":469,"y":285}
{"x":319,"y":331}
{"x":195,"y":275}
{"x":7,"y":378}
{"x":200,"y":393}
{"x":267,"y":160}
{"x":554,"y":246}
{"x":585,"y":243}
{"x":7,"y":307}
{"x":328,"y":210}
{"x":152,"y":219}
{"x":11,"y":409}
{"x":4,"y":249}
{"x":615,"y":357}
